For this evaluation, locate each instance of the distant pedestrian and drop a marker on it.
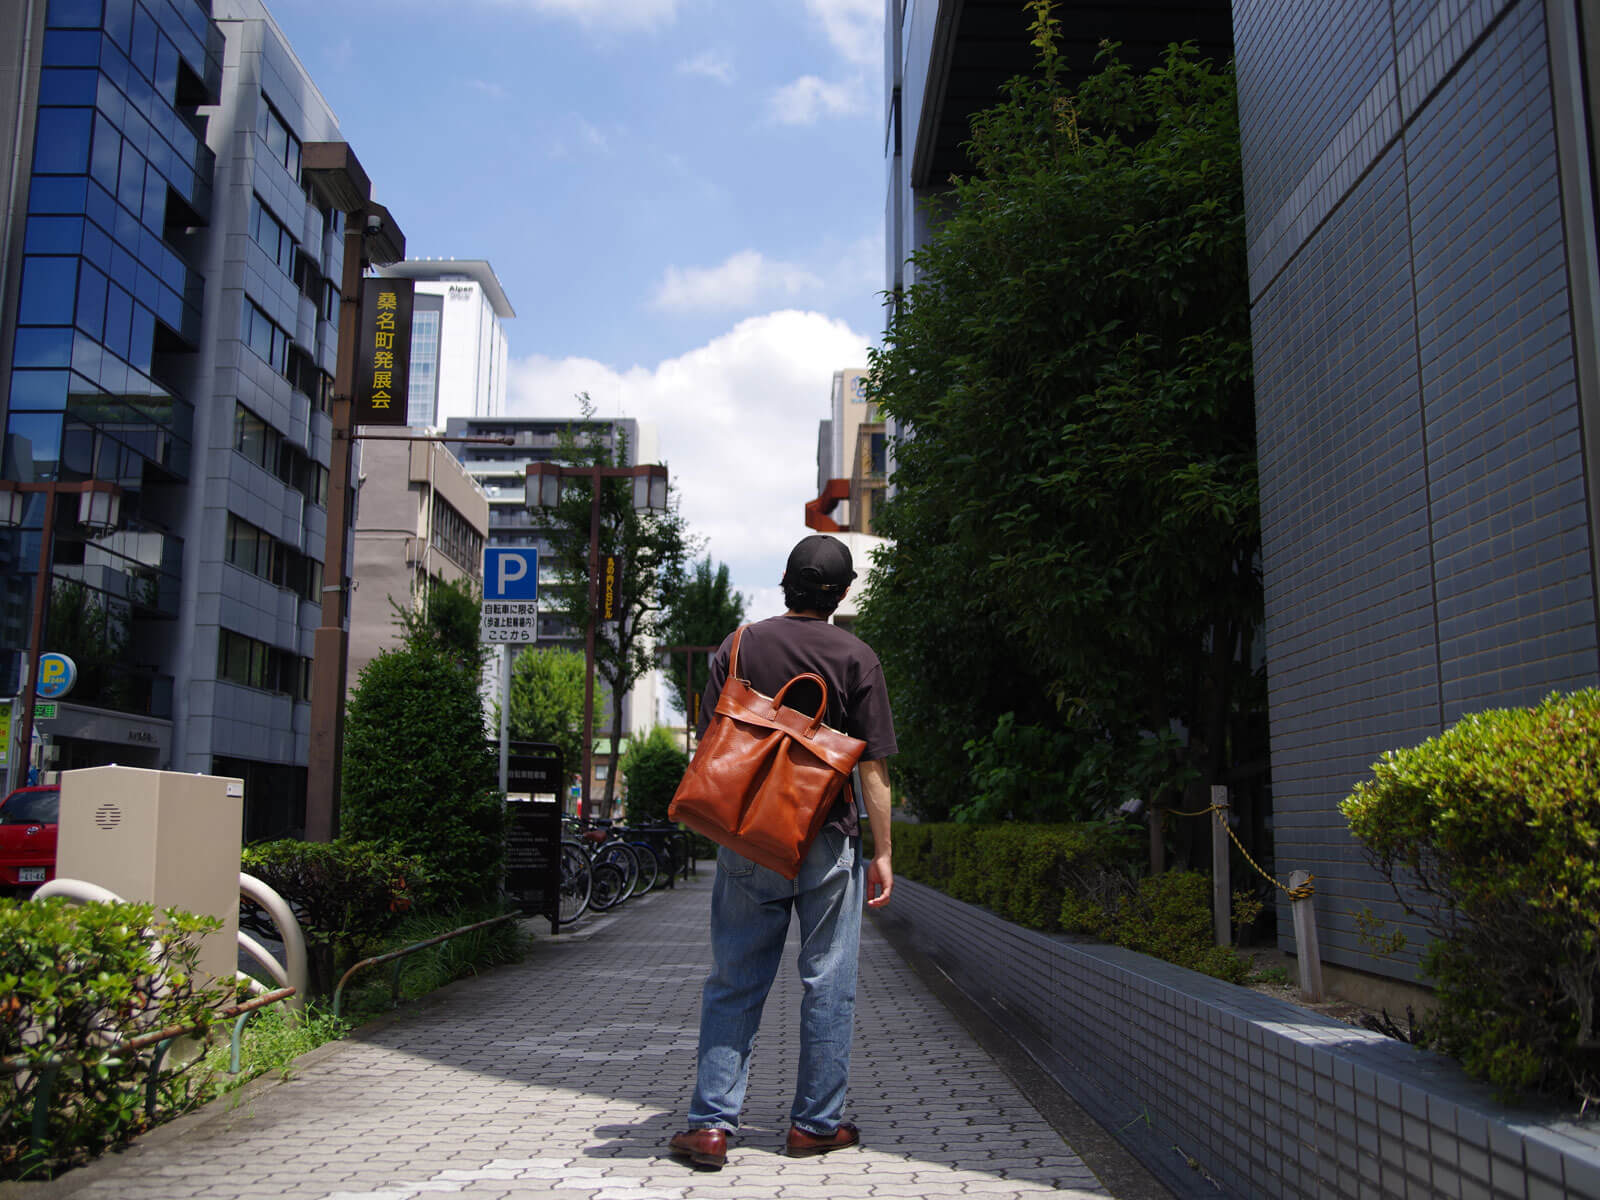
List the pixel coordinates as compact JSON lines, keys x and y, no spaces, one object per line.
{"x":751,"y":905}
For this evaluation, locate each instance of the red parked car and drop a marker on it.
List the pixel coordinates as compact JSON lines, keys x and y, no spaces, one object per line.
{"x":28,"y":837}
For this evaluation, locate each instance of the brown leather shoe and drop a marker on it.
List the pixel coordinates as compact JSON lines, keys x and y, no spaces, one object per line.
{"x":702,"y":1147}
{"x":800,"y":1143}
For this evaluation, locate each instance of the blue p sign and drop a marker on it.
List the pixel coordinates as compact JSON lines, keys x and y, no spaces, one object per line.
{"x":510,"y":574}
{"x":57,"y":674}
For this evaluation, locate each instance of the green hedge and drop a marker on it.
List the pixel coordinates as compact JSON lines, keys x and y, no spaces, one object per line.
{"x":1490,"y":836}
{"x":346,"y":896}
{"x":1071,"y":878}
{"x":76,"y":979}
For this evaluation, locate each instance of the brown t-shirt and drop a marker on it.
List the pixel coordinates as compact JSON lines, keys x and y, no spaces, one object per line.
{"x":774,"y":651}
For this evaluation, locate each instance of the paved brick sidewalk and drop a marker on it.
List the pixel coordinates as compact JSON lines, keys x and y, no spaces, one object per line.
{"x":564,"y":1075}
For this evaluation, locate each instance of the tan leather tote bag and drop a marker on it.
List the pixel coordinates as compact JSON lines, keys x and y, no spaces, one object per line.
{"x":764,"y":777}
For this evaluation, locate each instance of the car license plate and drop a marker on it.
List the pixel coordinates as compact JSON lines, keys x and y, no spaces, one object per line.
{"x":30,"y":874}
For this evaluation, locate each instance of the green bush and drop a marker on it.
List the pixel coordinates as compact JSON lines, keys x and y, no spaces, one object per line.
{"x":346,"y":895}
{"x":1489,"y":835}
{"x":75,"y":981}
{"x":1075,"y":878}
{"x":418,"y":773}
{"x":1166,"y":916}
{"x":653,"y":766}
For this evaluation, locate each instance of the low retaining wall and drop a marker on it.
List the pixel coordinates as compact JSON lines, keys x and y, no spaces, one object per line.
{"x":1219,"y":1087}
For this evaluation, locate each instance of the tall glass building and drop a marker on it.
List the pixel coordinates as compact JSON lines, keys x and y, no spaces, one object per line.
{"x":169,"y":328}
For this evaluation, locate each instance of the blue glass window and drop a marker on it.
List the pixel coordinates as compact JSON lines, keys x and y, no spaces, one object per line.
{"x":54,"y":235}
{"x":60,"y":194}
{"x":61,"y":144}
{"x":141,"y":337}
{"x":71,"y":48}
{"x":119,"y":22}
{"x":42,"y":346}
{"x":38,"y":390}
{"x":143,"y":52}
{"x":68,"y":85}
{"x":35,"y":437}
{"x":107,"y":154}
{"x":119,"y":313}
{"x":91,"y":301}
{"x":74,"y":14}
{"x":48,"y":287}
{"x":130,"y":183}
{"x":88,"y":356}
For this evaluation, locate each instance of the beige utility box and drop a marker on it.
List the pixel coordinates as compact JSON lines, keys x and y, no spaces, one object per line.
{"x":159,"y":837}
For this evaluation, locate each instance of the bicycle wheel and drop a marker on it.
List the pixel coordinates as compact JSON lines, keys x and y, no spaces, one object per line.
{"x":609,"y":889}
{"x":649,"y":868}
{"x":621,"y":856}
{"x":576,"y":882}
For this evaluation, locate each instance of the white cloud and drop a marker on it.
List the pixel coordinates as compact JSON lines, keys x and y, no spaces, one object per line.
{"x":737,"y":422}
{"x":495,"y":91}
{"x":854,"y":28}
{"x":738,"y":282}
{"x":710,"y":64}
{"x":621,"y":15}
{"x":810,"y":98}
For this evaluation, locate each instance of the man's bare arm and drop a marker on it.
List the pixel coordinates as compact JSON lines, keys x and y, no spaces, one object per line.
{"x":875,"y":789}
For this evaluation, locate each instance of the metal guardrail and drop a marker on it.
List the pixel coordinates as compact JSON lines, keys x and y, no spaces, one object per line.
{"x":161,"y":1039}
{"x":395,"y":955}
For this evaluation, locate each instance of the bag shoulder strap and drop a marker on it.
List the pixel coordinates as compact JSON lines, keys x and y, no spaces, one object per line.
{"x":733,"y":656}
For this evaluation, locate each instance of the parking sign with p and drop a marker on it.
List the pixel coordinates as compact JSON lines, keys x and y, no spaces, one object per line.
{"x":510,"y":591}
{"x":510,"y":573}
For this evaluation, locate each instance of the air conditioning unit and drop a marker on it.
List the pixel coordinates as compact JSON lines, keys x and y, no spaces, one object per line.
{"x":162,"y":838}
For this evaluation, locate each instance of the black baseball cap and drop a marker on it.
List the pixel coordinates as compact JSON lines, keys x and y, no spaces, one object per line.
{"x":821,"y":562}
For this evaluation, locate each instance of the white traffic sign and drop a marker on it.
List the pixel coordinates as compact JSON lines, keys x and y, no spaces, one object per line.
{"x":510,"y":594}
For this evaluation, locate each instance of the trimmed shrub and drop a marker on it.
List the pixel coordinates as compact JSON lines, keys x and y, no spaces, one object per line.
{"x":346,"y":895}
{"x":419,"y":774}
{"x":653,"y":766}
{"x":76,"y":980}
{"x":1166,"y":916}
{"x":1489,"y":836}
{"x":1072,"y":878}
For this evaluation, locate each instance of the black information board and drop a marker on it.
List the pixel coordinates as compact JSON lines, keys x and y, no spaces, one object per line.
{"x":533,"y":829}
{"x":533,"y":857}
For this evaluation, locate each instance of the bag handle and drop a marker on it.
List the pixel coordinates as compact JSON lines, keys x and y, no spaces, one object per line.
{"x":777,"y":701}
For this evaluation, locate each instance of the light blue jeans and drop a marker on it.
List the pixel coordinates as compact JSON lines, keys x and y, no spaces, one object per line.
{"x":750,"y":907}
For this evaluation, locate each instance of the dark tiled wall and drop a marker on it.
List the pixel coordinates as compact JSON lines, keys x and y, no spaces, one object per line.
{"x":1426,"y":540}
{"x":1268,"y":1099}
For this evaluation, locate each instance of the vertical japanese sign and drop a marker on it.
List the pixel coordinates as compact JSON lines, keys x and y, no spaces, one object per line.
{"x":610,"y":598}
{"x":384,"y":356}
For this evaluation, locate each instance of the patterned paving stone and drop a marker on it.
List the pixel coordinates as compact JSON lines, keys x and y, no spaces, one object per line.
{"x":563,"y":1076}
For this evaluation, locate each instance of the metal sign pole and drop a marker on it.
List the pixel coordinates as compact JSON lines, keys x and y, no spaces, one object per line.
{"x":506,"y":658}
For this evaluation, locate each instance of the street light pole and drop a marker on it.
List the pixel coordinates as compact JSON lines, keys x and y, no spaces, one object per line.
{"x":543,"y":490}
{"x":370,"y":235}
{"x":98,"y":503}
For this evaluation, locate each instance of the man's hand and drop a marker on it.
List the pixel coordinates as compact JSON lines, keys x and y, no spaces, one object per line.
{"x":880,"y":882}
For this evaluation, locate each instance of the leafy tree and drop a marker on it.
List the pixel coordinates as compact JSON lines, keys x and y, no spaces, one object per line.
{"x":1076,"y":517}
{"x":654,"y":766}
{"x":418,"y":772}
{"x":652,"y":550}
{"x":703,"y":612}
{"x":444,"y":613}
{"x":547,"y":701}
{"x":91,"y":628}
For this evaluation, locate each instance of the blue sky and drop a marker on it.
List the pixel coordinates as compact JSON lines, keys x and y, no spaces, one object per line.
{"x":682,"y":198}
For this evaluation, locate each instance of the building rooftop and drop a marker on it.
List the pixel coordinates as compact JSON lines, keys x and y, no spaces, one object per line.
{"x":477,"y":270}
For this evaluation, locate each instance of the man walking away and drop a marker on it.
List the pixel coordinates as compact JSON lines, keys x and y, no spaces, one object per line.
{"x":751,"y":905}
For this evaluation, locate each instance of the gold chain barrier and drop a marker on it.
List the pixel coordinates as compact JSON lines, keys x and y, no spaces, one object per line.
{"x":1303,"y":891}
